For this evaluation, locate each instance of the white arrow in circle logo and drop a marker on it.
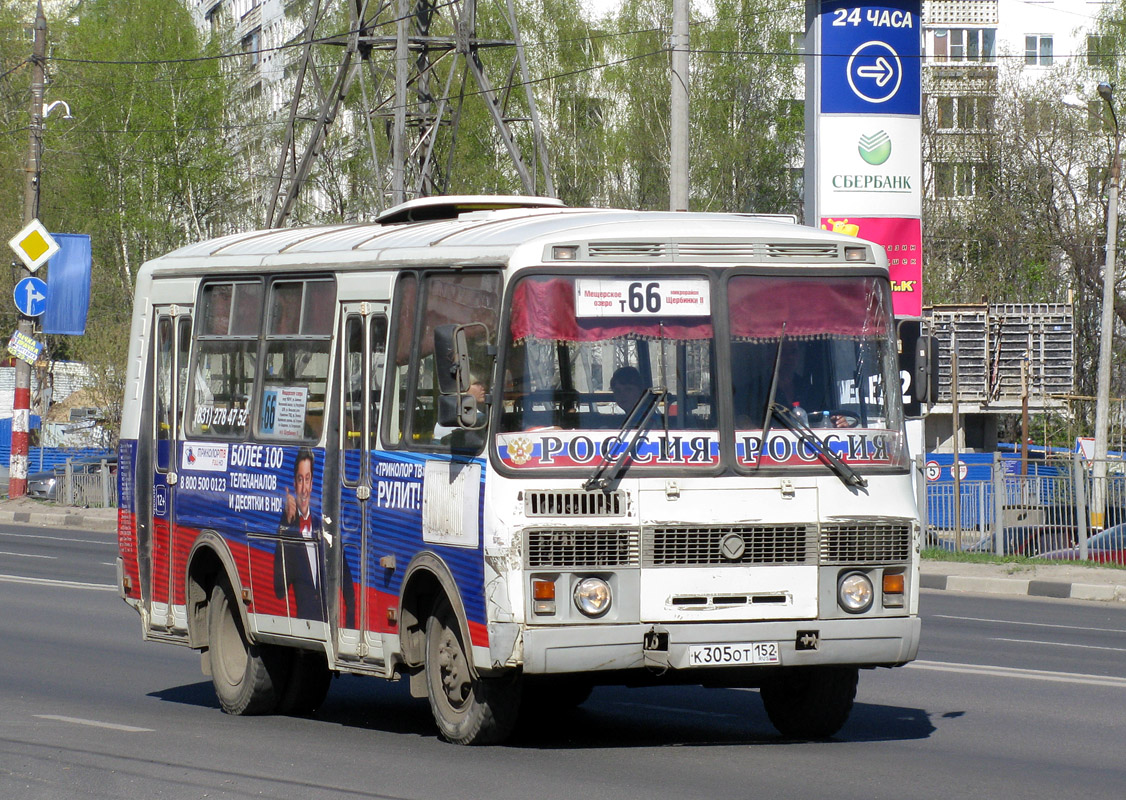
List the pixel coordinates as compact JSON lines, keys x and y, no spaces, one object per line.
{"x":874,"y":63}
{"x":882,"y":72}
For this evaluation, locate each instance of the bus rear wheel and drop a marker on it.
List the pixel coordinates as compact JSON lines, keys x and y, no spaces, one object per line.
{"x":810,"y":702}
{"x":468,"y":709}
{"x":243,"y":673}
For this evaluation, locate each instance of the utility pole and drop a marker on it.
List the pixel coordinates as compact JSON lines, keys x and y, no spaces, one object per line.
{"x":21,"y":405}
{"x":678,"y":122}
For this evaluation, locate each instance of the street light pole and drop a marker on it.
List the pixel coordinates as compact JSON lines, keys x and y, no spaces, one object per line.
{"x":1106,"y":331}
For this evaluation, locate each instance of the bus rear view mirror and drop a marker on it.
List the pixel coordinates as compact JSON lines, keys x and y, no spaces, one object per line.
{"x":926,"y":368}
{"x":451,"y":359}
{"x":457,"y":411}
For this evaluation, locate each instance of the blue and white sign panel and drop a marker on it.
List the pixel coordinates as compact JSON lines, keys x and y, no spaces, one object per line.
{"x":870,"y":57}
{"x":31,"y":297}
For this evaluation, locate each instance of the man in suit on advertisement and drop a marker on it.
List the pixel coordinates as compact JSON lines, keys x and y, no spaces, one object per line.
{"x":298,"y":557}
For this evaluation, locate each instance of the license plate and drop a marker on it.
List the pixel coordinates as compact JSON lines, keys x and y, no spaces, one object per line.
{"x":724,"y":655}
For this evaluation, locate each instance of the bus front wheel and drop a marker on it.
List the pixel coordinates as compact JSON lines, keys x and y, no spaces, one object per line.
{"x":240,"y":670}
{"x":468,"y":709}
{"x":810,"y":702}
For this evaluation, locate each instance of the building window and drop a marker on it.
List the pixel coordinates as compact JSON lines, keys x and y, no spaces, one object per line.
{"x":252,"y":45}
{"x":963,"y":113}
{"x":1038,"y":50}
{"x":958,"y":180}
{"x":964,"y":44}
{"x":1100,"y":51}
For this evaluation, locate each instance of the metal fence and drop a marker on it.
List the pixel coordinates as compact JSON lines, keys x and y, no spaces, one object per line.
{"x":95,"y":487}
{"x":1045,"y":514}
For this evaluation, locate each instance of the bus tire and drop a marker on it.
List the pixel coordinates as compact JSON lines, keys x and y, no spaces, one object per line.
{"x":811,"y":702}
{"x":307,"y":684}
{"x":243,"y":673}
{"x":468,"y":709}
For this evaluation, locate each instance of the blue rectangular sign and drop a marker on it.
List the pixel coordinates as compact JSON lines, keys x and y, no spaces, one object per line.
{"x":871,"y":57}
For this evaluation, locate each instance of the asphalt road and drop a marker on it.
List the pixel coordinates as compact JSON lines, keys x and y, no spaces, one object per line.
{"x":1011,"y":698}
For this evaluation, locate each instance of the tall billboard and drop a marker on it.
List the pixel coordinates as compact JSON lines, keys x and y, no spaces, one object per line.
{"x":864,"y":131}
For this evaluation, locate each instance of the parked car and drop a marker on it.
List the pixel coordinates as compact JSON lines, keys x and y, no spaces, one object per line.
{"x":45,"y":485}
{"x":1108,"y":547}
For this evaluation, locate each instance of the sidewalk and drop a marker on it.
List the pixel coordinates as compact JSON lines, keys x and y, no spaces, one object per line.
{"x":1047,"y":580}
{"x":41,"y":514}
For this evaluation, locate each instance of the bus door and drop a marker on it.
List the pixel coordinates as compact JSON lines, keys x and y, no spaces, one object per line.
{"x":361,"y":616}
{"x":172,"y":329}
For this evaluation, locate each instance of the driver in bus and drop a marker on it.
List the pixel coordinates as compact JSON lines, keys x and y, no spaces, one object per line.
{"x":627,"y":386}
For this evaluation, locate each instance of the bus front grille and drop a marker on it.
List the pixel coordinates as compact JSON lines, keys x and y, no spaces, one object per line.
{"x":574,"y":503}
{"x":865,"y":543}
{"x":729,"y":545}
{"x":592,"y":547}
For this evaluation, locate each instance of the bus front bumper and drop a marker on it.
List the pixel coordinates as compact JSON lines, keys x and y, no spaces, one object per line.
{"x":867,"y":642}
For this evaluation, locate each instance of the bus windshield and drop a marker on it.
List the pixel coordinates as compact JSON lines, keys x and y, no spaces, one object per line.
{"x":583,"y":351}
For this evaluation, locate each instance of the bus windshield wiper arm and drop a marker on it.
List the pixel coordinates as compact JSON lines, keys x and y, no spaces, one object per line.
{"x":637,"y":421}
{"x":848,"y":476}
{"x":768,"y":412}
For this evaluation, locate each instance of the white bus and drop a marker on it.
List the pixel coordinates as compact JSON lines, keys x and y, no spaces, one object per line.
{"x":511,"y":450}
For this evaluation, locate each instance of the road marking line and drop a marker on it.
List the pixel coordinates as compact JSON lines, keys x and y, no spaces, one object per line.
{"x":56,"y":538}
{"x":106,"y":587}
{"x":1062,"y":644}
{"x":1033,"y":624}
{"x":94,"y":723}
{"x":1016,"y":672}
{"x":25,"y":555}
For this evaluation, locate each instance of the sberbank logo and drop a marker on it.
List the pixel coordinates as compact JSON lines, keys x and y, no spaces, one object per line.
{"x":875,"y":149}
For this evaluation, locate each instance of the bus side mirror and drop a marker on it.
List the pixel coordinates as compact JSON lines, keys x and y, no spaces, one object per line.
{"x":457,"y":411}
{"x":451,"y":359}
{"x":925,"y":378}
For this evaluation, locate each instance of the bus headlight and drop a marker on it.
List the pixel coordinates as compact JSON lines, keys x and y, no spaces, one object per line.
{"x":854,"y":592}
{"x":592,"y":597}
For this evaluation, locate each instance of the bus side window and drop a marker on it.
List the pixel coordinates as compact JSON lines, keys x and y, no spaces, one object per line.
{"x":162,"y":374}
{"x":295,"y":371}
{"x":222,"y":375}
{"x":378,"y":358}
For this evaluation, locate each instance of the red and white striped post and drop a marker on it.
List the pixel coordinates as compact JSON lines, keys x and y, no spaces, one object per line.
{"x":21,"y":402}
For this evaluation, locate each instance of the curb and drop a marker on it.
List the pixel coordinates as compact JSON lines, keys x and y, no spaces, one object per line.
{"x":1025,"y":588}
{"x":60,"y":519}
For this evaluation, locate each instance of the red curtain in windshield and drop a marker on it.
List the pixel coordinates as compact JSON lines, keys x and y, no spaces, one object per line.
{"x":811,"y":308}
{"x":544,"y":308}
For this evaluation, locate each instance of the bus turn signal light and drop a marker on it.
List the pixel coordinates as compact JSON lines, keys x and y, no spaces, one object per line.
{"x":543,"y":596}
{"x":893,"y":590}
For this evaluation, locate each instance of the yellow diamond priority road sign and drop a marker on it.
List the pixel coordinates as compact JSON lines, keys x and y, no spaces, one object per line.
{"x":34,"y":245}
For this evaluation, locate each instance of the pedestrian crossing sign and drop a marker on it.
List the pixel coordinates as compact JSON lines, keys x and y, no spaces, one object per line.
{"x":34,"y":245}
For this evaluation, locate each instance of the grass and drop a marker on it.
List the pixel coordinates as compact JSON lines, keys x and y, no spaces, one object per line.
{"x":938,"y":554}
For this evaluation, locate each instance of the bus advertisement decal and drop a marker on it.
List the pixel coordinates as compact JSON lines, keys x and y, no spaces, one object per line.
{"x":567,"y":449}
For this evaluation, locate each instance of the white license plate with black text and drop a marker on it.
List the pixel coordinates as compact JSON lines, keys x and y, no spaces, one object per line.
{"x":727,"y":655}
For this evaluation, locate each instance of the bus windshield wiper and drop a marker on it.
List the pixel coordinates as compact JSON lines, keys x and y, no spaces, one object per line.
{"x":768,"y":412}
{"x":637,"y":421}
{"x":848,"y":476}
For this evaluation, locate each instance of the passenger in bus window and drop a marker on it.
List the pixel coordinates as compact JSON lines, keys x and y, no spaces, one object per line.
{"x":297,"y":558}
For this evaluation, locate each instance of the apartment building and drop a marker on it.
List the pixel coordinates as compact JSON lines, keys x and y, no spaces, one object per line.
{"x":966,"y":42}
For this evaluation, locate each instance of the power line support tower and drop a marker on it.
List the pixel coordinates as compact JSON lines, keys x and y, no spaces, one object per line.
{"x":411,"y":45}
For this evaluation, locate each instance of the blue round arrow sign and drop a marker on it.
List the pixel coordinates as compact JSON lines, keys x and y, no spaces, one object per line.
{"x":31,"y":296}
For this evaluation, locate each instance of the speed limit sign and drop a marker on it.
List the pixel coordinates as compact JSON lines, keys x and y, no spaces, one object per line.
{"x":934,"y":471}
